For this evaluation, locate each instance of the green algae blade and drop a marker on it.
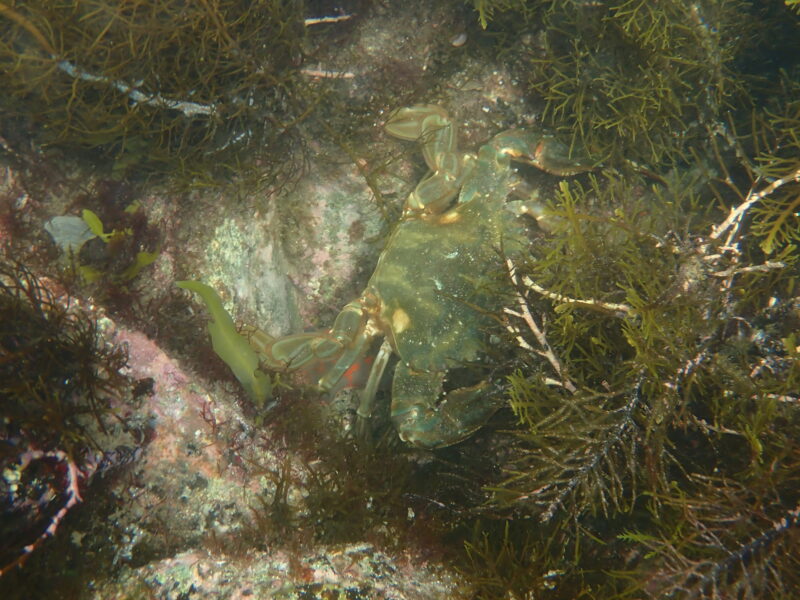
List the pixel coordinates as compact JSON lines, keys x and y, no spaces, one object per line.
{"x":230,"y":345}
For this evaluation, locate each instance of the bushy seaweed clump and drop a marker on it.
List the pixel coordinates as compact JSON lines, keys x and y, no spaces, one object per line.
{"x":632,"y":80}
{"x":659,"y":445}
{"x":657,"y":320}
{"x":57,"y":384}
{"x":194,"y":86}
{"x":56,"y":371}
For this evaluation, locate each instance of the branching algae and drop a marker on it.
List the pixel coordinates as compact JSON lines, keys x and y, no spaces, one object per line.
{"x":657,"y":396}
{"x":156,"y":84}
{"x":58,"y":384}
{"x":629,"y":80}
{"x":657,"y":319}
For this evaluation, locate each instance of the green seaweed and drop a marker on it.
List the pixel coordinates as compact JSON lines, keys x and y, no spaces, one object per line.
{"x":486,"y":9}
{"x":668,"y":434}
{"x":633,"y":80}
{"x":141,"y":260}
{"x":776,"y":174}
{"x":96,"y":227}
{"x":119,"y":261}
{"x":231,"y":346}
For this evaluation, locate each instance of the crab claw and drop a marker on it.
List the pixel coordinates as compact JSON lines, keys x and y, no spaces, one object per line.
{"x":340,"y":348}
{"x":541,"y":150}
{"x":421,"y":419}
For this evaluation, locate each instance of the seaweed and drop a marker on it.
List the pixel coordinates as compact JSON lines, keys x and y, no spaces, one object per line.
{"x":775,"y":171}
{"x":108,"y":257}
{"x":56,"y":372}
{"x":639,"y":81}
{"x":59,"y":387}
{"x":158,"y":85}
{"x":120,"y":248}
{"x":658,"y":426}
{"x":231,"y":346}
{"x":486,"y":9}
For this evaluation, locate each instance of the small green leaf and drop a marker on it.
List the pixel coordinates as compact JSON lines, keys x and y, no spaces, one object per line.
{"x":89,"y":274}
{"x":142,"y":260}
{"x":95,"y":225}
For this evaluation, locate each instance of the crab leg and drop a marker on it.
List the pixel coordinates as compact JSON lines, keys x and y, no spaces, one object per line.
{"x":430,"y":124}
{"x":378,"y":367}
{"x":364,"y":411}
{"x":350,"y":333}
{"x":448,"y":168}
{"x":422,"y":420}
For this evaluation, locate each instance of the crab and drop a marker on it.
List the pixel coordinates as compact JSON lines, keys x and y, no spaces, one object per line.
{"x":427,"y":298}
